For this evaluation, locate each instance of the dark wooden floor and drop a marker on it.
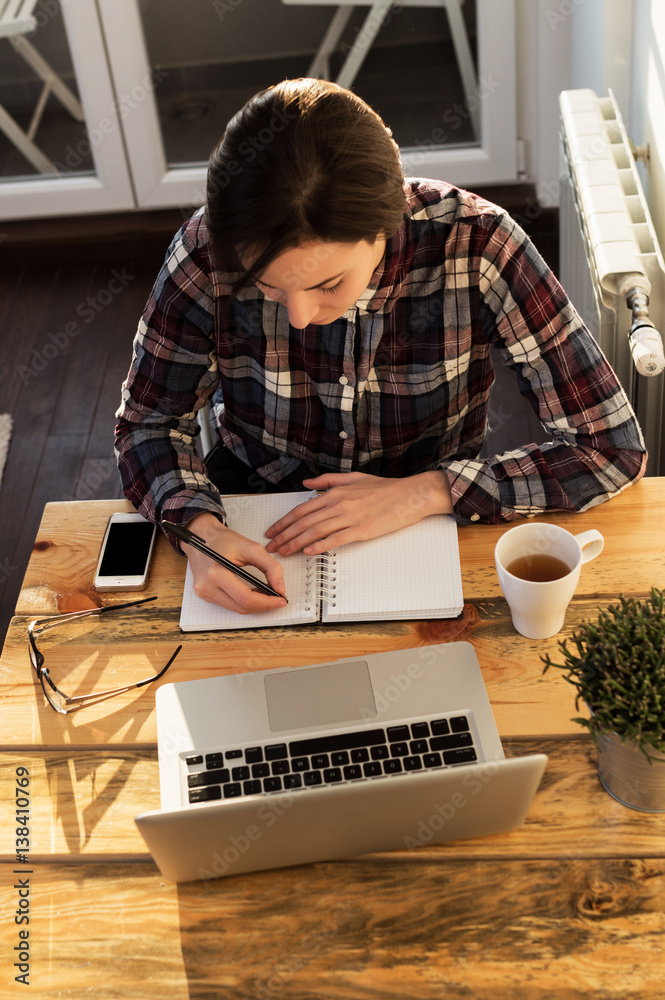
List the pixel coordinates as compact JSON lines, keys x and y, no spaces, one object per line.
{"x":71,"y":292}
{"x":66,"y":331}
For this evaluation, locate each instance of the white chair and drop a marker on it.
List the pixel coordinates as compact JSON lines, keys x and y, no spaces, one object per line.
{"x":16,"y":20}
{"x":320,"y":66}
{"x":204,"y":417}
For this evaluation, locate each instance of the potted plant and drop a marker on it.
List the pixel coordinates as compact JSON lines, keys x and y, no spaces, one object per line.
{"x":617,"y":665}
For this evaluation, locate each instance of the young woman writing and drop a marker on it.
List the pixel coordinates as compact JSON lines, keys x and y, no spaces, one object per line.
{"x":340,"y":318}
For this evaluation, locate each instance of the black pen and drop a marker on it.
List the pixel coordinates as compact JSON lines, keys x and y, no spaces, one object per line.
{"x":185,"y":535}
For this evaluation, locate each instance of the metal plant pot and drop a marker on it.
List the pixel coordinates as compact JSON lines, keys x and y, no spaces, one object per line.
{"x":628,"y":776}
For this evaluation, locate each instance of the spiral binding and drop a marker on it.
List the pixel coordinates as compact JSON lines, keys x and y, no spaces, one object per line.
{"x":321,"y":579}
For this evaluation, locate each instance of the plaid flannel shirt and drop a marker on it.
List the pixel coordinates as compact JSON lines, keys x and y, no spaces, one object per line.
{"x":397,"y":385}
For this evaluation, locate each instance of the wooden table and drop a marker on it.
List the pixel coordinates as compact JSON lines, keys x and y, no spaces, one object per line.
{"x":571,"y":905}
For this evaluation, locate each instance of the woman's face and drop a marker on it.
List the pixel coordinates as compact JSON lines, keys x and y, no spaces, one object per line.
{"x":318,"y":282}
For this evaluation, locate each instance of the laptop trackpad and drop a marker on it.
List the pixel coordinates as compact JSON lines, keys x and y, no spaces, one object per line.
{"x":319,"y":696}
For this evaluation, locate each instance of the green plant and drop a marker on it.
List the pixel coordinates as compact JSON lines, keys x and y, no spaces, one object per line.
{"x":617,"y":665}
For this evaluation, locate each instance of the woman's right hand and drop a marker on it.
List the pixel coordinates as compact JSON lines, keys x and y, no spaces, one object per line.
{"x":217,"y":585}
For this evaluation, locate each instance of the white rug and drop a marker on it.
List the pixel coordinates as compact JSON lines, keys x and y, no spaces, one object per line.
{"x":5,"y":436}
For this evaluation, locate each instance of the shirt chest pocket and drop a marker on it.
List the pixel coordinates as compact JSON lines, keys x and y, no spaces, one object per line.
{"x":412,"y":380}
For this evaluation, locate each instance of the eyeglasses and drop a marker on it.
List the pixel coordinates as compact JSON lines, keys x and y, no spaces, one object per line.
{"x":61,"y":702}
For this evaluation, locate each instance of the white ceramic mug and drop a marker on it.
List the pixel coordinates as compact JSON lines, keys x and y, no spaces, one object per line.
{"x":538,"y":607}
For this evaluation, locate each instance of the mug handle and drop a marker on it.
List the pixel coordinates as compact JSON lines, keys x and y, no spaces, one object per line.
{"x":591,"y":543}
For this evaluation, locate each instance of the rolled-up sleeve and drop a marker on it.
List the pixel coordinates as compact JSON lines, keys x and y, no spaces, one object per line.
{"x":173,"y":374}
{"x":596,"y":448}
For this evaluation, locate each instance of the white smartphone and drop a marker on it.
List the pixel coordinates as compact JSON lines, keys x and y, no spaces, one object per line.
{"x":124,"y":560}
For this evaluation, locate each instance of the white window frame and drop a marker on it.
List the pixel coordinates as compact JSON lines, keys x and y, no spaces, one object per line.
{"x":110,"y":188}
{"x":493,"y":161}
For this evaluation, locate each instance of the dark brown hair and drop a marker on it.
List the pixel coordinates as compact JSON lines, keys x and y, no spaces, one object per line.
{"x":302,"y":161}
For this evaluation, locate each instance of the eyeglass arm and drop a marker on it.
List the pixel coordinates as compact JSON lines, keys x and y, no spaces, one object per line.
{"x":72,"y":615}
{"x":82,"y":699}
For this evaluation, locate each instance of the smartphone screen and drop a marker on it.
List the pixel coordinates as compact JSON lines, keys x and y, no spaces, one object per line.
{"x":127,"y":549}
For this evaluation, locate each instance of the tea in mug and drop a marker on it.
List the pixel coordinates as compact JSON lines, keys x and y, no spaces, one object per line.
{"x":539,"y":568}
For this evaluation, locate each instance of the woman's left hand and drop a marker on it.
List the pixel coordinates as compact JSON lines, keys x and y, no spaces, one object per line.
{"x":355,"y":506}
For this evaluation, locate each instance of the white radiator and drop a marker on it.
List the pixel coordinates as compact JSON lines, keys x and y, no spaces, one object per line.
{"x":610,"y":262}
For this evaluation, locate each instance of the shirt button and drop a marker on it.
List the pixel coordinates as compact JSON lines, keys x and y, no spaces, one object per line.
{"x":343,"y":380}
{"x":343,"y":435}
{"x":475,"y":517}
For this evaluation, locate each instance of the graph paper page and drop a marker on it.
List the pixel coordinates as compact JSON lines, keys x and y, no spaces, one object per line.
{"x":250,"y":516}
{"x":410,"y":573}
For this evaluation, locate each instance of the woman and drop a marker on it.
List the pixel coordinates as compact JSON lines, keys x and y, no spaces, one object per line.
{"x":343,"y":318}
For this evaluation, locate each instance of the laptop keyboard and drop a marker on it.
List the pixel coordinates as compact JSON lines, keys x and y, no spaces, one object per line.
{"x":318,"y":761}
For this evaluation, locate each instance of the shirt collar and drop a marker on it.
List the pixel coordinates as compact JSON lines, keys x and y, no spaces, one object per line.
{"x":385,"y":285}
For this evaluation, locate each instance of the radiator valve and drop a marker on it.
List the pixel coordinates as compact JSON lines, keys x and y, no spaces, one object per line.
{"x":645,"y":342}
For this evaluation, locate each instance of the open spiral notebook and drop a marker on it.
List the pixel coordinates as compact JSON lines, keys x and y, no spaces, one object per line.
{"x":410,"y":573}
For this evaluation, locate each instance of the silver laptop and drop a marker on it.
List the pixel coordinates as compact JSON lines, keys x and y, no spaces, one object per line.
{"x":288,"y":766}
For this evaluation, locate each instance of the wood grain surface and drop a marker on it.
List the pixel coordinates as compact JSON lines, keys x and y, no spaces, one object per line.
{"x":570,"y":906}
{"x":108,"y":652}
{"x":60,"y":573}
{"x":84,"y":804}
{"x":355,"y":930}
{"x":104,"y":653}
